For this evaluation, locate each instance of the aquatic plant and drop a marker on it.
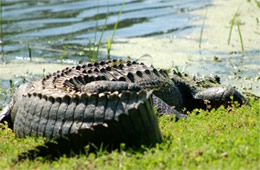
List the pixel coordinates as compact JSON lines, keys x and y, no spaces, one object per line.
{"x":202,"y":27}
{"x":110,"y":40}
{"x":240,"y":36}
{"x":64,"y":54}
{"x":93,"y":50}
{"x":256,"y":1}
{"x":1,"y":31}
{"x":29,"y":50}
{"x":235,"y":21}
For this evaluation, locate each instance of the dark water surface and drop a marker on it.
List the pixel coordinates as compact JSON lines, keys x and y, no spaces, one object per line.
{"x":53,"y":27}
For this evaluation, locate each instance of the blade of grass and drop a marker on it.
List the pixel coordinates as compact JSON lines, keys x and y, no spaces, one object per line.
{"x":1,"y":31}
{"x":110,"y":41}
{"x":91,"y":51}
{"x":101,"y":37}
{"x":232,"y":22}
{"x":202,"y":27}
{"x":230,"y":31}
{"x":63,"y":54}
{"x":240,"y":36}
{"x":29,"y":50}
{"x":95,"y":38}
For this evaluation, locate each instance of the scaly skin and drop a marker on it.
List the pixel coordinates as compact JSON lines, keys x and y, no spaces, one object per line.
{"x":94,"y":101}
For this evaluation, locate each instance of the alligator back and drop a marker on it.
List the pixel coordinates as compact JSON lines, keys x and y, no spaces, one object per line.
{"x":71,"y":80}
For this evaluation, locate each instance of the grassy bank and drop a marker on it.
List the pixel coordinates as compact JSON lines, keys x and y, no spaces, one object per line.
{"x":219,"y":139}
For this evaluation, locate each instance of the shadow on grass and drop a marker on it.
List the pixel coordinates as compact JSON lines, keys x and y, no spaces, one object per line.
{"x":55,"y":149}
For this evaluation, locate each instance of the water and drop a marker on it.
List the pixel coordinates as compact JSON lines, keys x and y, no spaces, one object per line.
{"x":55,"y":26}
{"x":66,"y":27}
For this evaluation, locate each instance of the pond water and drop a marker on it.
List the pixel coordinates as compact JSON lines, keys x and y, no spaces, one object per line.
{"x":53,"y":27}
{"x":65,"y":28}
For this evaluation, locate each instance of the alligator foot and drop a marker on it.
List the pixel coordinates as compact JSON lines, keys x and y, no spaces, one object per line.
{"x":165,"y":109}
{"x":217,"y":96}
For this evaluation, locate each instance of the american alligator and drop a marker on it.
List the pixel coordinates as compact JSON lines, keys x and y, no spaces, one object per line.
{"x":106,"y":101}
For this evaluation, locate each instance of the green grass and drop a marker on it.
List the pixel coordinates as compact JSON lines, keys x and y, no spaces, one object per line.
{"x":202,"y":27}
{"x":110,"y":40}
{"x":219,"y":139}
{"x":236,"y":21}
{"x":29,"y":50}
{"x":93,"y":49}
{"x":1,"y":30}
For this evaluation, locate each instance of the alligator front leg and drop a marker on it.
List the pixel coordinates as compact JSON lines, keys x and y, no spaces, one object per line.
{"x":163,"y":108}
{"x":217,"y":96}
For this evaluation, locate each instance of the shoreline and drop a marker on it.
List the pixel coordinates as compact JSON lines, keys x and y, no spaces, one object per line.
{"x":214,"y":57}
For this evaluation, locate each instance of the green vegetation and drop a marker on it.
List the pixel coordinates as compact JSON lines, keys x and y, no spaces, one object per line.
{"x":1,"y":31}
{"x":256,"y":1}
{"x":221,"y":139}
{"x":235,"y":21}
{"x":110,"y":40}
{"x":64,"y":54}
{"x":93,"y":50}
{"x":202,"y":27}
{"x":29,"y":50}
